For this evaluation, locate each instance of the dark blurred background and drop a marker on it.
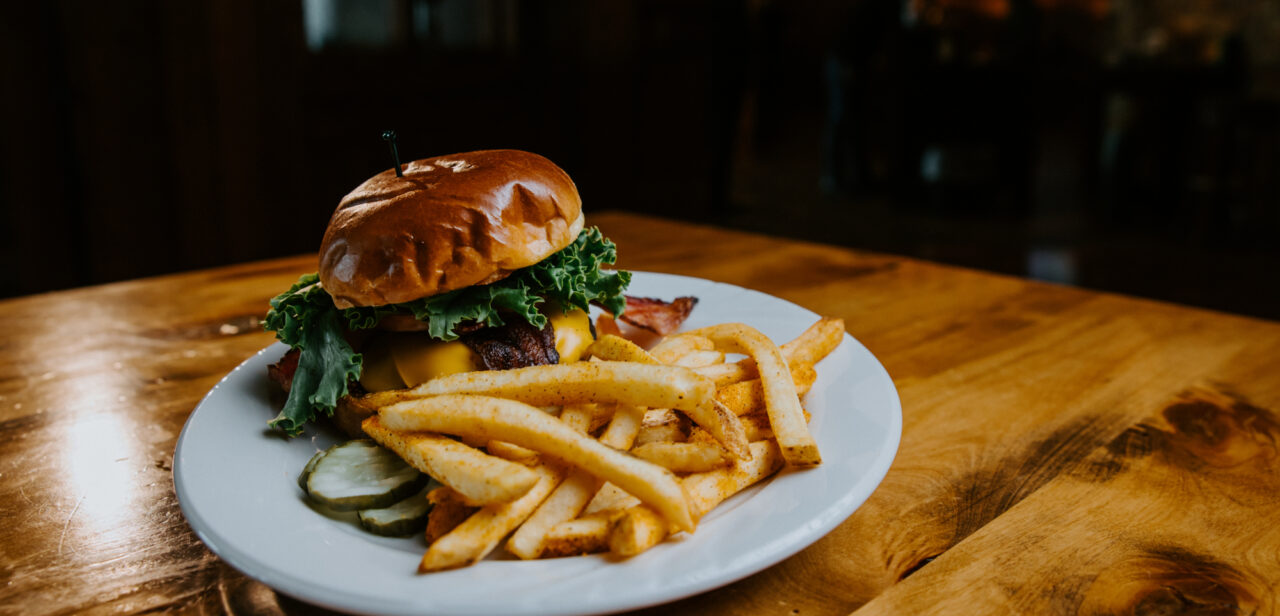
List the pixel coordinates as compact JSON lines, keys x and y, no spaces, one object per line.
{"x":1122,"y":145}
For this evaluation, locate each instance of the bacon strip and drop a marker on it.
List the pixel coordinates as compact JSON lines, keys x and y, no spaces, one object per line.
{"x":282,"y":371}
{"x":656,"y":315}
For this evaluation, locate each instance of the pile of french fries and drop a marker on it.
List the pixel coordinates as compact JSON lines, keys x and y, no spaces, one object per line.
{"x":612,"y":454}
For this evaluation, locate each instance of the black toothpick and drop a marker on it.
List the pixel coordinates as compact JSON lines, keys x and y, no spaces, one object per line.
{"x":390,"y":137}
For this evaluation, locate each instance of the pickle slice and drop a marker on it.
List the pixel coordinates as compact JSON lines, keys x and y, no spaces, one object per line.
{"x":406,"y":517}
{"x":306,"y":470}
{"x":361,"y":475}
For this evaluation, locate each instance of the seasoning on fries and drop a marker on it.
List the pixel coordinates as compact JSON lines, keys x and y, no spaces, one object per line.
{"x":552,"y":484}
{"x":783,"y":405}
{"x":523,"y":425}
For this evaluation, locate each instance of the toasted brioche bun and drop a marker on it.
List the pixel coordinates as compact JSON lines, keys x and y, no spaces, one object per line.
{"x":450,"y":222}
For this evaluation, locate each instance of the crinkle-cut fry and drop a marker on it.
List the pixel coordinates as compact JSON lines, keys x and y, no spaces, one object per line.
{"x":809,"y":347}
{"x":748,"y":396}
{"x":639,"y":529}
{"x":479,"y":477}
{"x":479,"y":534}
{"x":684,"y":457}
{"x":675,"y":346}
{"x":664,"y":425}
{"x":448,"y":510}
{"x":585,"y":535}
{"x":573,"y":494}
{"x":518,"y":423}
{"x":785,"y":415}
{"x":699,"y":359}
{"x":610,"y":497}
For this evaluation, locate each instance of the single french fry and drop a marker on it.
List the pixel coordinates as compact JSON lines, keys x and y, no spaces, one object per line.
{"x":816,"y":342}
{"x":480,"y":477}
{"x":616,"y":348}
{"x":638,"y":530}
{"x":518,"y":423}
{"x":586,"y":535}
{"x":684,"y":457}
{"x":785,"y":415}
{"x":664,"y":425}
{"x":698,"y":359}
{"x":474,"y":538}
{"x":573,"y":494}
{"x":748,"y":396}
{"x":448,"y":510}
{"x":513,"y":453}
{"x":676,"y":346}
{"x":610,"y":497}
{"x":809,"y":347}
{"x":580,"y":382}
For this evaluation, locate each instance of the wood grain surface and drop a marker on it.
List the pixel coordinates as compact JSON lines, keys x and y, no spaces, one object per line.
{"x":1063,"y":451}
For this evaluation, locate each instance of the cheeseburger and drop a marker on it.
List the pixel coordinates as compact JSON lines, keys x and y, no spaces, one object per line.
{"x":470,"y":261}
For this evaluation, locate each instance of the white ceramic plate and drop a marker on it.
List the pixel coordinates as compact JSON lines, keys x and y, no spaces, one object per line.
{"x":236,"y":482}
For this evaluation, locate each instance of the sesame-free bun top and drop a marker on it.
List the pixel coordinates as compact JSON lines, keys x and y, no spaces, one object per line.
{"x":450,"y":222}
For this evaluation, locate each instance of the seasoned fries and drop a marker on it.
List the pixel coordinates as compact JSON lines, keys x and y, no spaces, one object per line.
{"x":479,"y":534}
{"x":637,"y":527}
{"x":613,"y":462}
{"x":654,"y":386}
{"x":523,"y":425}
{"x":809,"y":347}
{"x":572,"y":495}
{"x":785,"y":415}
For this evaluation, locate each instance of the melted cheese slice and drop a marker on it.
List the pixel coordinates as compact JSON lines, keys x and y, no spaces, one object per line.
{"x":419,"y":358}
{"x":573,"y":334}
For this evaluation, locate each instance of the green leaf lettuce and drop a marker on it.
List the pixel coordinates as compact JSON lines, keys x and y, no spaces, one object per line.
{"x":305,"y":318}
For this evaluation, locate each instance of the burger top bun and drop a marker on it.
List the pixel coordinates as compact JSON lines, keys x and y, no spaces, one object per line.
{"x":450,"y":222}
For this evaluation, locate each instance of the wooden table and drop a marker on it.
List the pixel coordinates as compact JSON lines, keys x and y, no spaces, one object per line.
{"x":1064,"y":451}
